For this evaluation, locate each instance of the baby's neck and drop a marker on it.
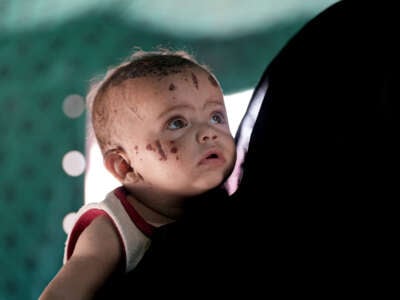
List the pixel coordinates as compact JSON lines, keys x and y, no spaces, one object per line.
{"x":152,"y":213}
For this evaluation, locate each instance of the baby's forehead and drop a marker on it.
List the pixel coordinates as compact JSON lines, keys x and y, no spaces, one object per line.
{"x":134,"y":90}
{"x":155,"y":68}
{"x":168,"y":80}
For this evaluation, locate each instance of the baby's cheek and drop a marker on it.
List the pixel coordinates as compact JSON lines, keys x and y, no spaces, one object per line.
{"x":158,"y":148}
{"x":165,"y":150}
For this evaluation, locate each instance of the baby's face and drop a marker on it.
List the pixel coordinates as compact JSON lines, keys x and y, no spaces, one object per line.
{"x":175,"y":132}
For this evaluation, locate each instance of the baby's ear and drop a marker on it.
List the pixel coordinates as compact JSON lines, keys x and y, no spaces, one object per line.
{"x":117,"y":164}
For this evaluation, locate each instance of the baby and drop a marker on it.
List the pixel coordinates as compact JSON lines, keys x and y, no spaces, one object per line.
{"x":162,"y":127}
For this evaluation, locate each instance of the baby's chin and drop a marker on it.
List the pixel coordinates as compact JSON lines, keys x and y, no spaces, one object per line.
{"x":207,"y":183}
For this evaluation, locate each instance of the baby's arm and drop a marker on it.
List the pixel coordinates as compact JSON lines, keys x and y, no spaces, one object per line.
{"x":96,"y":256}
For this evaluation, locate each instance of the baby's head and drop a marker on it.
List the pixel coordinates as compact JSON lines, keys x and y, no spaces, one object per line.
{"x":160,"y":121}
{"x":109,"y":97}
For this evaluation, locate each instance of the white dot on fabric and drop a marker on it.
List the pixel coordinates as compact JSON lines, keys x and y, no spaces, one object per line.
{"x":74,"y":163}
{"x":68,"y":222}
{"x":73,"y":106}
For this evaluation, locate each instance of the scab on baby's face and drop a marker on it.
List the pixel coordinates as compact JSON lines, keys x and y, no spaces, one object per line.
{"x":176,"y":131}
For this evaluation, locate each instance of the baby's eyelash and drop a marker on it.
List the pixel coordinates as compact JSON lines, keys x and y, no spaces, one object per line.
{"x":221,"y":115}
{"x":176,"y":123}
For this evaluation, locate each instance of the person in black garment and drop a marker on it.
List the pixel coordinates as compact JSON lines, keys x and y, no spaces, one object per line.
{"x":314,"y":212}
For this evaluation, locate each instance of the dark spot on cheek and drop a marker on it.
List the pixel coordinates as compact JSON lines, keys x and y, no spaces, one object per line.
{"x":177,"y":157}
{"x":195,"y":81}
{"x":213,"y":81}
{"x":174,"y":150}
{"x":158,"y":148}
{"x":163,"y":156}
{"x":137,"y":149}
{"x":172,"y":87}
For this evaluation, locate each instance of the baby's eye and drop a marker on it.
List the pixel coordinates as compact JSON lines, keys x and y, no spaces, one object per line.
{"x":177,"y":123}
{"x":217,"y":118}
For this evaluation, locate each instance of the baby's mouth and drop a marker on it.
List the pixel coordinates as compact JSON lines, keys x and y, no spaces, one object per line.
{"x":212,"y":156}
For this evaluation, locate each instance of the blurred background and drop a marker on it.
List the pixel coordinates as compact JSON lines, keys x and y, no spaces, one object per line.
{"x":49,"y":51}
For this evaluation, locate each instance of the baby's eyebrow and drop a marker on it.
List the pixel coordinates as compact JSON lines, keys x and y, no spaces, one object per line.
{"x":213,"y":103}
{"x":175,"y":107}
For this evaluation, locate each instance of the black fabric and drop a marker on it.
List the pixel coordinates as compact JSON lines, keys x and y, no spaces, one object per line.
{"x":315,"y":212}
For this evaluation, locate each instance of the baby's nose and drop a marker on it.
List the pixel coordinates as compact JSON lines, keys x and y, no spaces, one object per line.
{"x":207,"y":134}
